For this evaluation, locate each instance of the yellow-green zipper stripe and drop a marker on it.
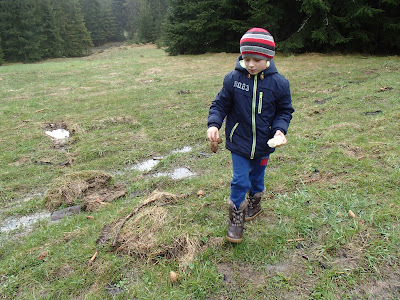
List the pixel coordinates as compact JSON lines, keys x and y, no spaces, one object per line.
{"x":232,"y":131}
{"x":260,"y":103}
{"x":253,"y":117}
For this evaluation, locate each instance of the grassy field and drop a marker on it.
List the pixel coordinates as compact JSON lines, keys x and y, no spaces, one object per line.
{"x":133,"y":104}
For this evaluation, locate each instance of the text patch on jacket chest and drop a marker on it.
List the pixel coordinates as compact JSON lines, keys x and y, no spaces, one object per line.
{"x":242,"y":86}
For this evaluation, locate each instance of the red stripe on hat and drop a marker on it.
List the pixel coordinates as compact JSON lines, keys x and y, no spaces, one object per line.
{"x":257,"y":53}
{"x":256,"y":29}
{"x":261,"y":41}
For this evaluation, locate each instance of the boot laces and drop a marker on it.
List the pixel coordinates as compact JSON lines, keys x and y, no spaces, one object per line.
{"x":237,"y":217}
{"x":251,"y":202}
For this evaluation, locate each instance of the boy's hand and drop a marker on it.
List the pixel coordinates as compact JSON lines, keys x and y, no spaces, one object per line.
{"x":213,"y":134}
{"x":279,"y":139}
{"x":280,"y":133}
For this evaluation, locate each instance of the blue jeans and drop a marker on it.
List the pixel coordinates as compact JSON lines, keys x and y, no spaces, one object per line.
{"x":248,"y":176}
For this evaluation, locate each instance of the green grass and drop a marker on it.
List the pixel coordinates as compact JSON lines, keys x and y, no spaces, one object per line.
{"x":128,"y":104}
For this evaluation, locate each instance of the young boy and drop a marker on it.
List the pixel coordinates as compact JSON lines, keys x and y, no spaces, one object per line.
{"x":256,"y":101}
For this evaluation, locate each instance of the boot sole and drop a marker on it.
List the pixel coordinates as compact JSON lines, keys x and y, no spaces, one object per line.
{"x":232,"y":240}
{"x":252,"y":217}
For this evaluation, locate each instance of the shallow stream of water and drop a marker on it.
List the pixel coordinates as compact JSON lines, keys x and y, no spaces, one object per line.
{"x":25,"y":222}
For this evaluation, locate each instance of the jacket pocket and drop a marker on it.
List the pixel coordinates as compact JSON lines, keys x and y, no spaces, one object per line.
{"x":260,"y":102}
{"x":232,"y":131}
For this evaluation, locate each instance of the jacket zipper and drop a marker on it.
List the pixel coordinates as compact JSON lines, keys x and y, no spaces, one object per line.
{"x":260,"y":100}
{"x":253,"y":117}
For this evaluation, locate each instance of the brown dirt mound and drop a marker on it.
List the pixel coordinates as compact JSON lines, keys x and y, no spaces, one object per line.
{"x":90,"y":189}
{"x":149,"y":233}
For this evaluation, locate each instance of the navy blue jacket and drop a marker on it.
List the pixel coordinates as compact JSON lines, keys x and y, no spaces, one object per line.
{"x":255,"y":107}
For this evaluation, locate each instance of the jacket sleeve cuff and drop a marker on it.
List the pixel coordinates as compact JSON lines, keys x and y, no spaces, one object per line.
{"x":214,"y":125}
{"x":276,"y":129}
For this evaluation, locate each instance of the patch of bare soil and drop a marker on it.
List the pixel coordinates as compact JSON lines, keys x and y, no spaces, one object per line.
{"x":321,"y":178}
{"x":147,"y":233}
{"x":237,"y":274}
{"x":91,"y":190}
{"x":270,"y":279}
{"x":385,"y":287}
{"x":297,"y":276}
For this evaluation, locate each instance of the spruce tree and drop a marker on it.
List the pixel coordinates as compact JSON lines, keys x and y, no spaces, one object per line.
{"x":21,"y":31}
{"x":93,"y":19}
{"x":120,"y":13}
{"x":145,"y":30}
{"x":369,"y":26}
{"x":372,"y":26}
{"x":317,"y":31}
{"x":108,"y":23}
{"x":51,"y":44}
{"x":77,"y":41}
{"x":201,"y":26}
{"x":60,"y":23}
{"x":145,"y":20}
{"x":1,"y":54}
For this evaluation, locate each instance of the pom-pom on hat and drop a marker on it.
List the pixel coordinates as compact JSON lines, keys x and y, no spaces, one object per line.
{"x":259,"y":43}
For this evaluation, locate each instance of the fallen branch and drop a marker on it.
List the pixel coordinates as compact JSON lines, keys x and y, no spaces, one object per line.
{"x":295,"y":240}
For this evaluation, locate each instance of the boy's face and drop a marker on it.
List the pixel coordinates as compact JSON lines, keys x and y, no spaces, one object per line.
{"x":255,"y":65}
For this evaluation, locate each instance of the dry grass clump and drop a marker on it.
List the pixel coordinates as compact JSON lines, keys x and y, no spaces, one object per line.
{"x":91,"y":189}
{"x":150,"y":232}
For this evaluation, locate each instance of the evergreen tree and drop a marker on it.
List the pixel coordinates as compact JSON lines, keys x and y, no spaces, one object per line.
{"x":51,"y":44}
{"x":77,"y":41}
{"x":145,"y":20}
{"x":280,"y":17}
{"x":21,"y":31}
{"x":120,"y":13}
{"x":93,"y":13}
{"x":205,"y":25}
{"x":1,"y":54}
{"x":389,"y":38}
{"x":372,"y":26}
{"x":369,"y":26}
{"x":146,"y":30}
{"x":101,"y":21}
{"x":32,"y":30}
{"x":317,"y":31}
{"x":60,"y":23}
{"x":109,"y":24}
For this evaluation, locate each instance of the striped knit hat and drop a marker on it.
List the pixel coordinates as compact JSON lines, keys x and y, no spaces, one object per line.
{"x":257,"y":42}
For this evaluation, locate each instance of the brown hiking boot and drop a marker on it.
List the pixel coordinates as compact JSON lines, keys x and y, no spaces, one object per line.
{"x":254,"y":207}
{"x":236,"y":221}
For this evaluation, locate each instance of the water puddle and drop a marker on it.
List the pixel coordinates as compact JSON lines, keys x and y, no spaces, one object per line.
{"x":146,"y":165}
{"x":185,"y":149}
{"x":58,"y":134}
{"x":25,"y":222}
{"x":178,"y":173}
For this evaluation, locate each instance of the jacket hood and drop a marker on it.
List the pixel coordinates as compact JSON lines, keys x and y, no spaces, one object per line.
{"x":240,"y":67}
